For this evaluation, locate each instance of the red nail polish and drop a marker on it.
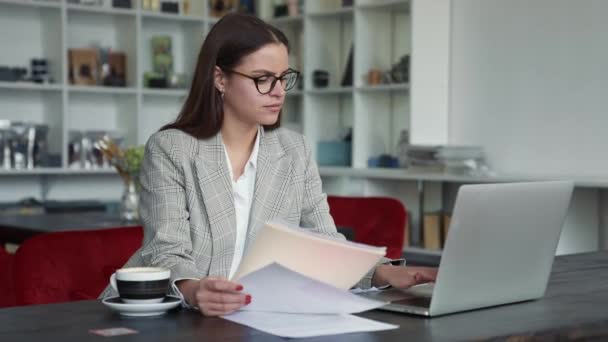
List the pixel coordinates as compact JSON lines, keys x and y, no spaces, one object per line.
{"x":239,"y":288}
{"x":247,"y":299}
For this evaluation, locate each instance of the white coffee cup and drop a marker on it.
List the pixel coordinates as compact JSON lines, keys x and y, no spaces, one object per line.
{"x":141,"y":285}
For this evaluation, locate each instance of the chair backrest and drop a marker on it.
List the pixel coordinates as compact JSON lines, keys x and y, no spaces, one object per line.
{"x":377,"y":221}
{"x":68,"y":266}
{"x":7,"y":286}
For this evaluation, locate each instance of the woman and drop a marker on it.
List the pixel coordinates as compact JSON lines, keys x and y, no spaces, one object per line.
{"x":212,"y":178}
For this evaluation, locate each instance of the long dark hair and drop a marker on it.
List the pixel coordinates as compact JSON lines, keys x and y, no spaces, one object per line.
{"x":235,"y":36}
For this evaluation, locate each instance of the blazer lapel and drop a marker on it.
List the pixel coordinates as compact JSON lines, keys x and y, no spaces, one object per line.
{"x":273,"y":174}
{"x":216,"y":190}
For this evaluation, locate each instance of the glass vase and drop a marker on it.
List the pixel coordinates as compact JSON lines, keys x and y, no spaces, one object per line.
{"x":129,"y":202}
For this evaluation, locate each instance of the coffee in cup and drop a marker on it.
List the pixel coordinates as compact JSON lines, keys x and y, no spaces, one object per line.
{"x":141,"y":285}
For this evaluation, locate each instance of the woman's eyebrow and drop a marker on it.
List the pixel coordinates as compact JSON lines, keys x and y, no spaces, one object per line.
{"x":268,"y":72}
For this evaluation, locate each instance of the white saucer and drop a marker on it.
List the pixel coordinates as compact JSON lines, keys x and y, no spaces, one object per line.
{"x":141,"y":310}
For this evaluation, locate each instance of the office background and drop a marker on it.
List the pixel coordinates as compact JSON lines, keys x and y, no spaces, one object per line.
{"x":521,"y":79}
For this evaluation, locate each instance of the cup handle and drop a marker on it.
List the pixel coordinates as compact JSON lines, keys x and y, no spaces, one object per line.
{"x":113,"y":282}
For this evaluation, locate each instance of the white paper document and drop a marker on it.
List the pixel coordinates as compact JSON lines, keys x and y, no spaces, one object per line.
{"x":301,"y":325}
{"x":275,"y":288}
{"x":333,"y":261}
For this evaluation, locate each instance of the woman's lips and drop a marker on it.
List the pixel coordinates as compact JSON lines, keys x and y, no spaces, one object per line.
{"x":274,"y":107}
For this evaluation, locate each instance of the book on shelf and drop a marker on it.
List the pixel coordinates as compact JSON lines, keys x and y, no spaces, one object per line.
{"x":331,"y":260}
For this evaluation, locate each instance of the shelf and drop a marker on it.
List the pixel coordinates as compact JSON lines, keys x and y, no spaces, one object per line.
{"x":287,"y":20}
{"x":30,"y":86}
{"x":387,"y":5}
{"x":409,"y":175}
{"x":343,"y":12}
{"x":101,"y":10}
{"x":165,"y":92}
{"x":30,"y":3}
{"x":42,"y":171}
{"x":330,"y":91}
{"x":102,"y":90}
{"x":171,"y":16}
{"x":384,"y":88}
{"x":418,"y":175}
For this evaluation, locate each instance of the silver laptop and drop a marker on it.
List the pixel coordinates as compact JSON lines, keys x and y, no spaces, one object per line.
{"x":499,"y":249}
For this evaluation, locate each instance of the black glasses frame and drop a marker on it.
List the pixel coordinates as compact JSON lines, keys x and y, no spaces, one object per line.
{"x":256,"y":79}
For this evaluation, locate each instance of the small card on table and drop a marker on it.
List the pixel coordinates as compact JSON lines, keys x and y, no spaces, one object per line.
{"x":113,"y":331}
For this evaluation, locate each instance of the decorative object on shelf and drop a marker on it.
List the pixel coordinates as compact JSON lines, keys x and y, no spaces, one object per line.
{"x":113,"y":65}
{"x":84,"y":153}
{"x":150,"y":5}
{"x":247,"y":6}
{"x":86,"y":2}
{"x":162,"y":75}
{"x":162,"y":56}
{"x":186,"y":7}
{"x":383,"y":160}
{"x":169,"y":6}
{"x":127,"y":162}
{"x":155,"y":80}
{"x":176,"y":80}
{"x":402,"y":146}
{"x":24,"y":145}
{"x":347,"y":78}
{"x":374,"y":77}
{"x":400,"y":72}
{"x":39,"y":70}
{"x":122,"y":4}
{"x":294,"y":7}
{"x":83,"y":66}
{"x":5,"y":148}
{"x":335,"y":152}
{"x":320,"y":78}
{"x":280,"y":8}
{"x":12,"y":74}
{"x":219,"y":8}
{"x":347,"y":3}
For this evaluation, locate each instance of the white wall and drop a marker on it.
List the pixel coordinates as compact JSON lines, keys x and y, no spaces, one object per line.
{"x":528,"y":82}
{"x":430,"y":71}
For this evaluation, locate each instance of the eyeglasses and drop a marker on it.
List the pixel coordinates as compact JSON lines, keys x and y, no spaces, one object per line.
{"x":265,"y":83}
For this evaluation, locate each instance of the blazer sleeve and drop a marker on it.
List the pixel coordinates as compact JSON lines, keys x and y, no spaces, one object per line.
{"x":163,"y":208}
{"x":315,"y":210}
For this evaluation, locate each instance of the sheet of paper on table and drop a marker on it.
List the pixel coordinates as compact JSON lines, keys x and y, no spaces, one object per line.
{"x":288,"y":304}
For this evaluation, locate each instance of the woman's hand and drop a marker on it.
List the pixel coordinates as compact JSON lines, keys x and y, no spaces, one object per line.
{"x":403,"y":277}
{"x":214,"y":296}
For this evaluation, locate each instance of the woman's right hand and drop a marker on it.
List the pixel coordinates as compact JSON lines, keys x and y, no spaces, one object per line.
{"x":214,"y":296}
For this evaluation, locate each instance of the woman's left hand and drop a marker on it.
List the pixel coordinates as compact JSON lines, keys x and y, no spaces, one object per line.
{"x":403,"y":277}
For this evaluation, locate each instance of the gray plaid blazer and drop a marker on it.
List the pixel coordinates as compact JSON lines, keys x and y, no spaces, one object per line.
{"x":187,"y":208}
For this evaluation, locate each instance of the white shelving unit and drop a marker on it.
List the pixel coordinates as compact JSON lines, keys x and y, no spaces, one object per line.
{"x":321,"y":39}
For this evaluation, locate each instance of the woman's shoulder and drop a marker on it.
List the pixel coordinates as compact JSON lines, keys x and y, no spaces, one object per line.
{"x":288,"y":139}
{"x":173,"y":140}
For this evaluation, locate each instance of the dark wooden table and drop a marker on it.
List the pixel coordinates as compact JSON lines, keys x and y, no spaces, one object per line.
{"x":17,"y":228}
{"x":575,"y":307}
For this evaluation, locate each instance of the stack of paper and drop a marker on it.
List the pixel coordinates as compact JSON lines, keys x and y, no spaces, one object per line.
{"x":299,"y":283}
{"x":340,"y":263}
{"x":289,"y":304}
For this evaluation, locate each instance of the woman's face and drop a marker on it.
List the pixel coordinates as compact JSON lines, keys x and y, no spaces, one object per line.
{"x":242,"y":99}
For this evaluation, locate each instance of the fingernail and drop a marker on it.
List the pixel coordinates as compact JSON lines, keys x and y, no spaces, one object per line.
{"x":239,"y":288}
{"x":247,"y":299}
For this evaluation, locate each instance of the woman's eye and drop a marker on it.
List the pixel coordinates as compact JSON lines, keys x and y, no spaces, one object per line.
{"x":263,"y":80}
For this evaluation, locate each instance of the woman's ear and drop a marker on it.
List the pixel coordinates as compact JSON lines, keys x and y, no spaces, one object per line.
{"x":219,"y":79}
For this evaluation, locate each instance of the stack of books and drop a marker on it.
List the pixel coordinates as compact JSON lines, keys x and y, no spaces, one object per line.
{"x":447,"y":158}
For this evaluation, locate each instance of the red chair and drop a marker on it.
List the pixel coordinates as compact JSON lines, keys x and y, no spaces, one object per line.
{"x":7,"y":286}
{"x":377,"y":221}
{"x":69,"y":266}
